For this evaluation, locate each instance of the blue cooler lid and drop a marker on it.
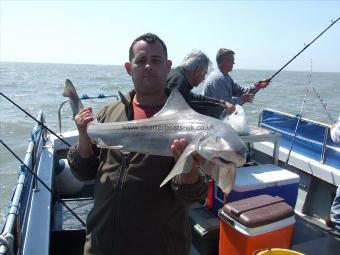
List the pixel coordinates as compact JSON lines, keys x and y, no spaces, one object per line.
{"x":263,"y":176}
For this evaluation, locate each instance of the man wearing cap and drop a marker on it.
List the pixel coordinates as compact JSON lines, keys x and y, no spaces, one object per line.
{"x":220,"y":85}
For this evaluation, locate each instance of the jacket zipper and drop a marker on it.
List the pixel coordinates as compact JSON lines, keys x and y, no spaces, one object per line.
{"x":119,"y":185}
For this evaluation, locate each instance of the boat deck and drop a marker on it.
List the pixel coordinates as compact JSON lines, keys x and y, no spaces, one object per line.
{"x":313,"y":237}
{"x":310,"y":236}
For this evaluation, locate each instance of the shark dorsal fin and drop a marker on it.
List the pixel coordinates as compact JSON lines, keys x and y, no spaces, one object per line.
{"x":174,"y":104}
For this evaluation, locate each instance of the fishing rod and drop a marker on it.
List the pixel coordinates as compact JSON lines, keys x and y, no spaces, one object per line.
{"x":43,"y":183}
{"x":296,"y":128}
{"x":300,"y":115}
{"x":304,"y":48}
{"x":40,"y":123}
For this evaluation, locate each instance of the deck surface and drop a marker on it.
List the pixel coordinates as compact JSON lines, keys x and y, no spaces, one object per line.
{"x":310,"y":236}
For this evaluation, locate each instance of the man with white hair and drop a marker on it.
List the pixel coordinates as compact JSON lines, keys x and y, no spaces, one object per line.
{"x":190,"y":74}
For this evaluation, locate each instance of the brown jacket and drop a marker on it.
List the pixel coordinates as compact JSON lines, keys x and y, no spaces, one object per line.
{"x":131,"y":213}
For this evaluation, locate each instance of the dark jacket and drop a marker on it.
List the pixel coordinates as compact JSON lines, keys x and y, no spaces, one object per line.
{"x":205,"y":105}
{"x":131,"y":213}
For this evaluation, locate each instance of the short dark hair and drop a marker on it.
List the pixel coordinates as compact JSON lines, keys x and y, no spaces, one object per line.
{"x":150,"y":38}
{"x":221,"y":53}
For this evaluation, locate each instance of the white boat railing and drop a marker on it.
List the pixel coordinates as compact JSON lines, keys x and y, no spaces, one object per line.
{"x":13,"y":224}
{"x":324,"y":144}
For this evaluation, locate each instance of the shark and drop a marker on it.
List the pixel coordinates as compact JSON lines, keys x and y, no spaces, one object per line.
{"x":212,"y":139}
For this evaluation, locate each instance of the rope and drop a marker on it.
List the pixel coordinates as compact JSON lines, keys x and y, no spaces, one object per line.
{"x":22,"y":169}
{"x":34,"y":134}
{"x":100,"y":96}
{"x":7,"y":241}
{"x":85,"y":96}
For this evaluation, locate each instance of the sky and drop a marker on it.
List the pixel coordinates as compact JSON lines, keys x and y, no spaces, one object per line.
{"x":264,"y":34}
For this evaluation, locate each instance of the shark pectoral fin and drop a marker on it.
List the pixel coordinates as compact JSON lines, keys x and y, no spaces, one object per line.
{"x":223,"y":175}
{"x":183,"y":164}
{"x":103,"y":145}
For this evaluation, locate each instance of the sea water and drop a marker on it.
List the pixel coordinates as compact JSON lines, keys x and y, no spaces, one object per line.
{"x":37,"y":87}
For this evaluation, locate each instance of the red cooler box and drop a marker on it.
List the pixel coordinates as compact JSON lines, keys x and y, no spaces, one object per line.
{"x":255,"y":223}
{"x":257,"y":180}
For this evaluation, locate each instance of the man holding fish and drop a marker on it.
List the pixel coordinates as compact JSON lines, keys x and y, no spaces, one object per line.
{"x":146,"y":159}
{"x":131,"y":213}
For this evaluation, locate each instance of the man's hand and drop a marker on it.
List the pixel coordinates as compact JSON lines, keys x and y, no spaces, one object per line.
{"x":262,"y":84}
{"x":177,"y":149}
{"x":230,"y":108}
{"x":248,"y":97}
{"x":82,"y":119}
{"x":84,"y":141}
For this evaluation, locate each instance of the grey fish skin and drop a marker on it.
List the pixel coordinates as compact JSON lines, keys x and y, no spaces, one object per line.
{"x":211,"y":138}
{"x":71,"y":93}
{"x":156,"y":134}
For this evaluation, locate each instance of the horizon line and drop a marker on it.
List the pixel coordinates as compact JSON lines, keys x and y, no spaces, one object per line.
{"x":122,"y":65}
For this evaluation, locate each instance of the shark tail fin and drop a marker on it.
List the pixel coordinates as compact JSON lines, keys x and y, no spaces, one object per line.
{"x":71,"y":93}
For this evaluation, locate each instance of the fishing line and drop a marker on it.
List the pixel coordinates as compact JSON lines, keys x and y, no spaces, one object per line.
{"x":324,"y":105}
{"x":43,"y":183}
{"x":40,"y":123}
{"x":333,"y":22}
{"x":300,"y":116}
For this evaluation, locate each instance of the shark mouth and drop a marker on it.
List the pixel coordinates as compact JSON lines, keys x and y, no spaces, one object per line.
{"x":222,"y":161}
